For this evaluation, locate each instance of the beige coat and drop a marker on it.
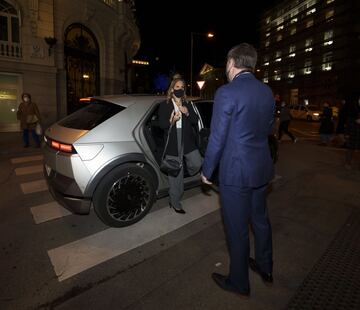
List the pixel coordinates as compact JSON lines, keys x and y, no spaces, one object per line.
{"x":26,"y":111}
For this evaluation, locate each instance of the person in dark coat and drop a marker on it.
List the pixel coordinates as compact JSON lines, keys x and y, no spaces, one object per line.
{"x":341,"y":123}
{"x":285,"y":119}
{"x":243,"y":115}
{"x":326,"y":125}
{"x":29,"y":116}
{"x":352,"y":129}
{"x":177,"y":115}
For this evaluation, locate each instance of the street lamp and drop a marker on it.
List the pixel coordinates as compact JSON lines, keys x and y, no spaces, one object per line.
{"x":209,"y":35}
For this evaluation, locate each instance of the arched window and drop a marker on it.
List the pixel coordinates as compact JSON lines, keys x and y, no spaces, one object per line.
{"x":9,"y":30}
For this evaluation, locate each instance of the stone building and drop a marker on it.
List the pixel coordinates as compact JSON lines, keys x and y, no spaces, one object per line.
{"x":62,"y":50}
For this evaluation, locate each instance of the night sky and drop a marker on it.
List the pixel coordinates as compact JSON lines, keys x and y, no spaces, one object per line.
{"x":232,"y":22}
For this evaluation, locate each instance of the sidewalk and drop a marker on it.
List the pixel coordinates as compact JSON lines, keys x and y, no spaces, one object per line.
{"x":11,"y":144}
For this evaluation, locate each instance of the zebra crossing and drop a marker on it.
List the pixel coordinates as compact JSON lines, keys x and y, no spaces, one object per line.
{"x":80,"y":255}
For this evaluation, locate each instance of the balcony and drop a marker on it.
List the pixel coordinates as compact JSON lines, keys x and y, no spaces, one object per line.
{"x":10,"y":50}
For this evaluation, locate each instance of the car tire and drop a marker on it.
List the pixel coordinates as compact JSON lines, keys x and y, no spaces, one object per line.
{"x":124,"y":196}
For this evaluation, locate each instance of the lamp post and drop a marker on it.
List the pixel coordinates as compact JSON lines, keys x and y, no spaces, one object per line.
{"x":209,"y":35}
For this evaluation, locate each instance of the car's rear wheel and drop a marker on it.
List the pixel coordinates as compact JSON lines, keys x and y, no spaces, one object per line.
{"x":124,"y":196}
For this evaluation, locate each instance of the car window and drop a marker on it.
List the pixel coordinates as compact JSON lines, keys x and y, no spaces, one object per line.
{"x":205,"y":109}
{"x":92,"y":115}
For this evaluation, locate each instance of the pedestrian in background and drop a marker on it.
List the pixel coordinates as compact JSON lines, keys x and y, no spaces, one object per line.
{"x":29,"y":116}
{"x":285,"y":119}
{"x":243,"y":114}
{"x":326,"y":125}
{"x":352,"y":128}
{"x":177,"y":115}
{"x":341,"y":123}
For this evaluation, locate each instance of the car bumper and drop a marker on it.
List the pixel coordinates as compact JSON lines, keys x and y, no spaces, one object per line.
{"x":65,"y":191}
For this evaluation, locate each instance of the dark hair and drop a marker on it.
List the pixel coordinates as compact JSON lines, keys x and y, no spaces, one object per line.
{"x":244,"y":56}
{"x":25,"y":94}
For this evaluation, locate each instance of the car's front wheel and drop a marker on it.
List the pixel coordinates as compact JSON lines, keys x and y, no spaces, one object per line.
{"x":124,"y":196}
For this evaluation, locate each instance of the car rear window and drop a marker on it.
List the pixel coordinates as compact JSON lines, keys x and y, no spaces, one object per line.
{"x":92,"y":115}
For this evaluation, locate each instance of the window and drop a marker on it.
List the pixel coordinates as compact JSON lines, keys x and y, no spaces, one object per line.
{"x":267,"y":43}
{"x":291,"y":73}
{"x":311,"y":11}
{"x":278,"y":56}
{"x":266,"y":60}
{"x":277,"y":76}
{"x":307,"y":66}
{"x":9,"y":30}
{"x":329,"y":14}
{"x":266,"y":77}
{"x":329,"y":1}
{"x":267,"y":20}
{"x":279,"y":38}
{"x":280,"y":28}
{"x":328,"y":35}
{"x":308,"y":45}
{"x":292,"y":50}
{"x":309,"y":23}
{"x":327,"y":62}
{"x":293,"y":31}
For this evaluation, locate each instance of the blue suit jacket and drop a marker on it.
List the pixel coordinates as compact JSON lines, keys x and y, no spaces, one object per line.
{"x":242,"y":119}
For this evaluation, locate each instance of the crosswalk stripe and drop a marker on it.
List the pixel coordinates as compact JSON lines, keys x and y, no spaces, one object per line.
{"x":28,"y":170}
{"x":25,"y":159}
{"x":48,"y":211}
{"x":80,"y":255}
{"x":34,"y":186}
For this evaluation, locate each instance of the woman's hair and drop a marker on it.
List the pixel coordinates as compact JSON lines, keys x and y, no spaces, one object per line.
{"x":25,"y":94}
{"x":170,"y":90}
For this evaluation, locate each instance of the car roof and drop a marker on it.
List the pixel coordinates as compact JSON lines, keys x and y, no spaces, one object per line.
{"x":127,"y":100}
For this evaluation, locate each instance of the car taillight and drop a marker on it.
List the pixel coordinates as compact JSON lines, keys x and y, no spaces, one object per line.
{"x":63,"y":147}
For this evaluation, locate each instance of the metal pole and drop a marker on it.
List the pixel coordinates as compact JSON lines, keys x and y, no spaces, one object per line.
{"x":191,"y":63}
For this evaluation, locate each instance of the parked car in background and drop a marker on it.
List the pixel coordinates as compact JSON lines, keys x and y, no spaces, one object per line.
{"x":306,"y":112}
{"x":107,"y":155}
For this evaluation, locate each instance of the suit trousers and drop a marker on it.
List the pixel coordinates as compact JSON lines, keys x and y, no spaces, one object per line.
{"x":242,"y":206}
{"x":176,"y":184}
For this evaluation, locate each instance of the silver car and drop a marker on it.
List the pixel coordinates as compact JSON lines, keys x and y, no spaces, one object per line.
{"x":107,"y":155}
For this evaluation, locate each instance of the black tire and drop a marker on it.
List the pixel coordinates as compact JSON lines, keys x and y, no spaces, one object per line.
{"x":124,"y":196}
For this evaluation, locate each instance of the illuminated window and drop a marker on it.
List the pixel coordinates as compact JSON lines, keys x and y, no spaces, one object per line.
{"x":267,"y":43}
{"x":280,"y":28}
{"x":266,"y":60}
{"x":291,"y":73}
{"x":327,"y":62}
{"x":279,"y":21}
{"x":279,"y":38}
{"x":277,"y":76}
{"x":292,"y":50}
{"x":309,"y":23}
{"x":267,"y":20}
{"x":307,"y":66}
{"x":266,"y":77}
{"x":310,"y":3}
{"x":329,"y":14}
{"x":311,"y":11}
{"x":293,"y":20}
{"x":268,"y":34}
{"x":329,"y":1}
{"x":328,"y":35}
{"x":292,"y":30}
{"x":308,"y":45}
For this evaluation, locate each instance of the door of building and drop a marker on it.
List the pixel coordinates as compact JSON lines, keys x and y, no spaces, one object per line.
{"x":82,"y":65}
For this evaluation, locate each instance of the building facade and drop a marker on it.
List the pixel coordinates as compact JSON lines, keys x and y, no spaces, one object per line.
{"x":309,"y":51}
{"x":62,"y":50}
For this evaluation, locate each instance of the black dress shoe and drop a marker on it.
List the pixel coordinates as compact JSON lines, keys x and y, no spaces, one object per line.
{"x":224,"y":283}
{"x":266,"y":277}
{"x":181,"y":211}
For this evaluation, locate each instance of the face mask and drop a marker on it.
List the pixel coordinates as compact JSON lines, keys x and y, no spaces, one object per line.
{"x":179,"y":92}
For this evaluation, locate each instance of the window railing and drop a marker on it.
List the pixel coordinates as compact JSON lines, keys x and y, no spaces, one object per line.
{"x":11,"y":50}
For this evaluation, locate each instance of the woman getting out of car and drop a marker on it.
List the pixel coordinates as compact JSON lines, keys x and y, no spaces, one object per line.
{"x":177,"y":115}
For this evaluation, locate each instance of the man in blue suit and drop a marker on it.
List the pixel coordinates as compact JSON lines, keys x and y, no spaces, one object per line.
{"x":243,"y":115}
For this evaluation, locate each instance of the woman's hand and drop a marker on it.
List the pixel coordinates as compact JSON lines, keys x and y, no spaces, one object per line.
{"x":184,"y":110}
{"x":174,"y":117}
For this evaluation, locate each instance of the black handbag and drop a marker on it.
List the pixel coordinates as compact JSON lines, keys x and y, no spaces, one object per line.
{"x":171,"y":166}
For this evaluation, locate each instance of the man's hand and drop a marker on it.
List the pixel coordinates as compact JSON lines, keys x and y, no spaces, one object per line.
{"x":205,"y":180}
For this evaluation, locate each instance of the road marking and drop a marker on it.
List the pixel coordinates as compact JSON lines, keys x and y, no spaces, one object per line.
{"x":34,"y":186}
{"x":80,"y":255}
{"x":28,"y":170}
{"x":26,"y":159}
{"x":48,"y":211}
